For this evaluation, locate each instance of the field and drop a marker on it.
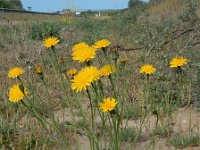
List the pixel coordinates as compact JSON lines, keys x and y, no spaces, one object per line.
{"x":134,"y":84}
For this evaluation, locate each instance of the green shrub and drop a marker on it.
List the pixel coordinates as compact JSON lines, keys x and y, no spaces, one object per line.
{"x":42,"y":31}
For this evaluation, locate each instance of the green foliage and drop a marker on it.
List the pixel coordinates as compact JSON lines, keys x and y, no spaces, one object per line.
{"x":163,"y":131}
{"x":190,"y":15}
{"x":182,"y":141}
{"x":132,"y":111}
{"x":14,"y":4}
{"x":44,"y":30}
{"x":135,"y":3}
{"x":7,"y":133}
{"x":128,"y":135}
{"x":5,"y":4}
{"x":92,"y":29}
{"x":34,"y":141}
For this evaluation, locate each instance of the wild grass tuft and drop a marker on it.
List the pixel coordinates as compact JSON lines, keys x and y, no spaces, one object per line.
{"x":183,"y":141}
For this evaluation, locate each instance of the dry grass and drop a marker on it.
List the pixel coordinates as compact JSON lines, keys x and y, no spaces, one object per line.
{"x":10,"y":17}
{"x":167,"y":10}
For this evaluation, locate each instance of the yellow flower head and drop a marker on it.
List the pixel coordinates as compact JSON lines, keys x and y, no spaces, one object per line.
{"x":107,"y":70}
{"x":122,"y":60}
{"x":80,"y":46}
{"x":108,"y":104}
{"x":38,"y":70}
{"x":84,"y":78}
{"x":102,"y":43}
{"x":16,"y":93}
{"x":147,"y":69}
{"x":178,"y":62}
{"x":84,"y":55}
{"x":51,"y":41}
{"x":15,"y":72}
{"x":71,"y":72}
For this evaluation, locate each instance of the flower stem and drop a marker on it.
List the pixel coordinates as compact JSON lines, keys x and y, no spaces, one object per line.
{"x":36,"y":115}
{"x":92,"y":116}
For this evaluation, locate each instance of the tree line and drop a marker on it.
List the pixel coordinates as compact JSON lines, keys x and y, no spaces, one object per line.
{"x":12,"y":4}
{"x":135,"y":3}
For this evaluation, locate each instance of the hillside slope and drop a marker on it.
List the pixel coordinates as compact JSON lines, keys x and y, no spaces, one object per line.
{"x":171,"y":9}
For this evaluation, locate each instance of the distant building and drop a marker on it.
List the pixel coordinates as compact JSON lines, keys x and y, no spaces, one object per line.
{"x":98,"y":14}
{"x":78,"y":13}
{"x":67,"y":12}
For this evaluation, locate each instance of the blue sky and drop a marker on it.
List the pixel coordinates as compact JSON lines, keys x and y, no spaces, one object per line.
{"x":55,"y":5}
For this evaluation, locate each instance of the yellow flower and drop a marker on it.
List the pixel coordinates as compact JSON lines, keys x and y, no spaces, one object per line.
{"x":122,"y":60}
{"x":84,"y":78}
{"x":178,"y":62}
{"x":84,"y":55}
{"x":51,"y":41}
{"x":102,"y":44}
{"x":38,"y":70}
{"x":16,"y":94}
{"x":79,"y":46}
{"x":108,"y":104}
{"x":15,"y":72}
{"x":71,"y":72}
{"x":107,"y":70}
{"x":147,"y":69}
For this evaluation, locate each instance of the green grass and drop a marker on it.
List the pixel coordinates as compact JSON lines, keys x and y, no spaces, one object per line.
{"x":128,"y":135}
{"x":132,"y":111}
{"x":183,"y":141}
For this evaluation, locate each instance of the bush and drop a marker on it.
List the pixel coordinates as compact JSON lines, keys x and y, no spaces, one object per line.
{"x":14,"y":4}
{"x":41,"y":31}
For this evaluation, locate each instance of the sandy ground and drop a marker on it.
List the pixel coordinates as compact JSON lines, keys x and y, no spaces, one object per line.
{"x":182,"y":120}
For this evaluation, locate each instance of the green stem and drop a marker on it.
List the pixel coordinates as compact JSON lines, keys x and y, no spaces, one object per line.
{"x":92,"y":115}
{"x":36,"y":114}
{"x":113,"y":86}
{"x":56,"y":125}
{"x":95,"y":90}
{"x":101,"y":87}
{"x":56,"y":60}
{"x":63,"y":85}
{"x":116,"y":135}
{"x":111,"y":127}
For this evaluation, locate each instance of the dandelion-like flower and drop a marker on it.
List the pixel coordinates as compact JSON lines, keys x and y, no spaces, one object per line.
{"x":17,"y":92}
{"x":178,"y":62}
{"x":80,"y":46}
{"x":102,"y":44}
{"x":84,"y":55}
{"x":84,"y":78}
{"x":107,"y":70}
{"x":38,"y":70}
{"x":147,"y":69}
{"x":15,"y":72}
{"x":71,"y":72}
{"x":108,"y":104}
{"x":50,"y":42}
